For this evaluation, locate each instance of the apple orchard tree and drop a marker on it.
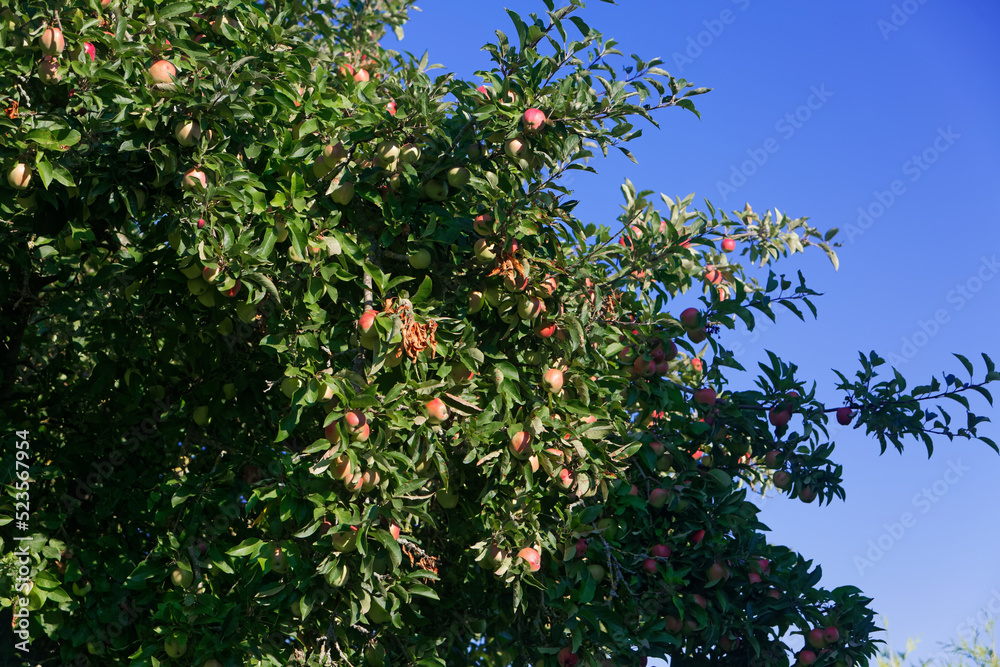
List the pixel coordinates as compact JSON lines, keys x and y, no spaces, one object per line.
{"x":307,"y":360}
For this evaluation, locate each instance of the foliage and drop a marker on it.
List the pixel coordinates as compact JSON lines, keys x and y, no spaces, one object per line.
{"x":197,"y":394}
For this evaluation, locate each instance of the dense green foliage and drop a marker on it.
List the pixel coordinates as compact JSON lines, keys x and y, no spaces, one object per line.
{"x":219,"y":457}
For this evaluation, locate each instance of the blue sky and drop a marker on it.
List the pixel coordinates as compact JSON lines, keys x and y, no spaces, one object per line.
{"x":903,"y":126}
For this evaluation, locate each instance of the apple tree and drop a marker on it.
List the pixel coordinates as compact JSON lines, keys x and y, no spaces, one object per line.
{"x":307,"y":359}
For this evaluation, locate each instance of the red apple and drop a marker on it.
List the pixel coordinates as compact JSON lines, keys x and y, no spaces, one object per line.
{"x":193,"y":178}
{"x":566,"y":657}
{"x":581,"y":548}
{"x":815,"y":638}
{"x":552,"y":380}
{"x":753,"y":578}
{"x":545,"y":329}
{"x":771,"y":459}
{"x":806,"y":657}
{"x":534,"y":119}
{"x":691,"y":319}
{"x":728,"y":245}
{"x":394,"y":530}
{"x":515,"y":148}
{"x":807,"y":494}
{"x":844,"y":416}
{"x":697,"y":536}
{"x":831,"y":635}
{"x":644,"y":367}
{"x":436,"y":410}
{"x":366,"y":323}
{"x":764,"y":565}
{"x":531,"y":557}
{"x":650,"y":566}
{"x":717,"y":571}
{"x":782,"y":480}
{"x":705,"y":396}
{"x":779,"y":417}
{"x":673,"y":625}
{"x":520,"y":445}
{"x":660,"y":551}
{"x":697,"y":335}
{"x":162,"y":71}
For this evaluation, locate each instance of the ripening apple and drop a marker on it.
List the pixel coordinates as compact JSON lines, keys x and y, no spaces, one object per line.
{"x":162,"y":72}
{"x":564,"y":479}
{"x":728,"y":245}
{"x":366,"y":323}
{"x":697,"y":536}
{"x":193,"y":178}
{"x":815,"y":638}
{"x":458,"y":177}
{"x":387,"y":153}
{"x":436,"y":190}
{"x":52,"y":41}
{"x":483,"y":224}
{"x":673,"y":624}
{"x":48,"y":71}
{"x":782,"y":480}
{"x":420,"y":259}
{"x":713,"y":275}
{"x":342,"y":464}
{"x":644,"y":367}
{"x":394,"y":530}
{"x":391,"y":107}
{"x":581,"y":548}
{"x":234,"y":290}
{"x":436,"y":411}
{"x":520,"y":445}
{"x":19,"y":176}
{"x":566,"y":657}
{"x":212,"y":662}
{"x":717,"y":571}
{"x":691,"y":319}
{"x":597,"y":572}
{"x":705,"y":396}
{"x":187,"y":132}
{"x":476,"y":302}
{"x":175,"y":645}
{"x":361,"y":76}
{"x":529,"y":307}
{"x":831,"y":635}
{"x":279,"y":561}
{"x":650,"y":565}
{"x":697,"y":335}
{"x":545,"y":329}
{"x":534,"y":119}
{"x":807,"y":494}
{"x":531,"y":557}
{"x":844,"y":416}
{"x":658,"y":498}
{"x":515,"y":148}
{"x":552,"y":380}
{"x":484,"y":251}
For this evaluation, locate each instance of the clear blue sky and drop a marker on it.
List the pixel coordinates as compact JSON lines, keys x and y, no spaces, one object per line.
{"x":910,"y":97}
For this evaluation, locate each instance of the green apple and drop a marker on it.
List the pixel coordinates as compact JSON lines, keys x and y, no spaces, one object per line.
{"x":229,"y":390}
{"x":201,"y":416}
{"x":458,"y":177}
{"x":175,"y":645}
{"x":181,"y":577}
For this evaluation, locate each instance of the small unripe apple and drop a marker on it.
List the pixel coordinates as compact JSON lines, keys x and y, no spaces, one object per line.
{"x":175,"y":645}
{"x":445,"y":499}
{"x":201,"y":415}
{"x":520,"y":445}
{"x":52,"y":41}
{"x":458,"y":177}
{"x":436,"y":190}
{"x":532,"y":557}
{"x":534,"y":119}
{"x":162,"y":71}
{"x":187,"y":133}
{"x":420,"y":259}
{"x":19,"y":176}
{"x":436,"y":410}
{"x":844,"y":416}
